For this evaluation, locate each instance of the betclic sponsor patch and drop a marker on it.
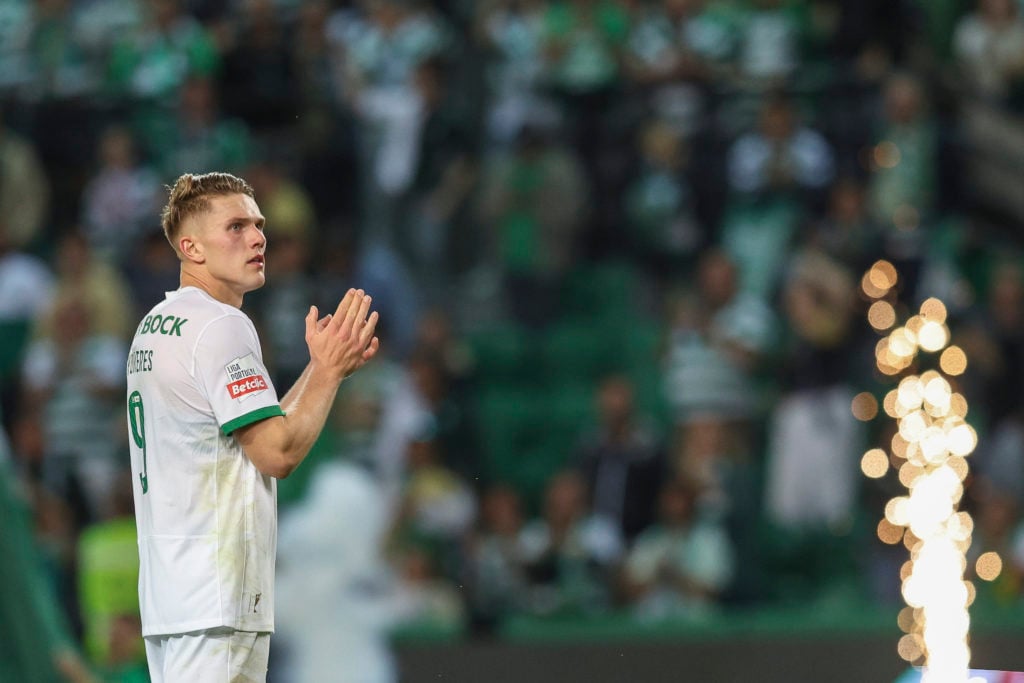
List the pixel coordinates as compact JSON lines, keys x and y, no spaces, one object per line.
{"x":245,"y":377}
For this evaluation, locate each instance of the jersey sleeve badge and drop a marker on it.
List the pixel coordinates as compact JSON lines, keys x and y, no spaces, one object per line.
{"x":245,"y":378}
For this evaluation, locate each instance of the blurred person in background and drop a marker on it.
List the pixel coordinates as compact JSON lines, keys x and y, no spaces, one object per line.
{"x":672,"y":41}
{"x":846,"y":232}
{"x":438,"y":507}
{"x":510,"y":34}
{"x":583,"y":44}
{"x":679,"y":567}
{"x":337,"y":595}
{"x":496,"y":571}
{"x":623,"y":461}
{"x":435,"y":237}
{"x":782,"y":157}
{"x":988,"y":44}
{"x":198,"y":135}
{"x":569,"y":555}
{"x":15,"y":35}
{"x":381,"y":51}
{"x":27,"y":285}
{"x":108,"y":578}
{"x":772,"y":38}
{"x":25,"y":190}
{"x":151,"y":273}
{"x":661,"y":218}
{"x":39,"y":643}
{"x":61,"y":65}
{"x":533,"y":203}
{"x":120,"y":199}
{"x":258,"y":81}
{"x":53,"y":517}
{"x":814,"y":438}
{"x":323,"y":136}
{"x":150,"y":62}
{"x":73,"y":378}
{"x":427,"y":599}
{"x":903,"y":181}
{"x":718,"y":340}
{"x":84,"y":275}
{"x":775,"y":174}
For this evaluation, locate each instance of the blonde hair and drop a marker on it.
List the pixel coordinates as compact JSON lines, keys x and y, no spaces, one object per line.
{"x":191,"y":194}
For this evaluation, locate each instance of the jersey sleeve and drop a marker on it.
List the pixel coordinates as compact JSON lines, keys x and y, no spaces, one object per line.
{"x":229,"y":367}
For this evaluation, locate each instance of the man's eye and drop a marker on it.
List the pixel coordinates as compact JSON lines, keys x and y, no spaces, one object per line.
{"x":236,"y":226}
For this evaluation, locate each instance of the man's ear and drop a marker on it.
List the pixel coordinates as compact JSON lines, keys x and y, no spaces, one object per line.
{"x":190,"y":249}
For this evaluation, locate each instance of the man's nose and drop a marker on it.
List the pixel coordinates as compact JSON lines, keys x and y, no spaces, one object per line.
{"x":259,"y":239}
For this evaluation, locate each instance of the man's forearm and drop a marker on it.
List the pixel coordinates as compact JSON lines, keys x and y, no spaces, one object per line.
{"x":279,"y":444}
{"x":307,"y":405}
{"x":296,"y":389}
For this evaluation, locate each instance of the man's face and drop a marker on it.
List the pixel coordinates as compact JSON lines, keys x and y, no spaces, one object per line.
{"x":231,"y":240}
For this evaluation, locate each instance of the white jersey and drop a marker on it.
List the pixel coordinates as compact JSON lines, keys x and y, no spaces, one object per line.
{"x":206,"y":517}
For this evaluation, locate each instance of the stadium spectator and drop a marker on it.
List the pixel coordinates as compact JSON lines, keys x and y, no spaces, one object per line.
{"x":337,"y":597}
{"x":84,"y":276}
{"x":73,"y":375}
{"x":903,"y":183}
{"x":151,"y":273}
{"x":988,"y":44}
{"x":781,"y":157}
{"x":151,"y":63}
{"x":661,"y":219}
{"x":814,"y":440}
{"x":846,"y":232}
{"x":120,"y":200}
{"x":496,"y":564}
{"x":623,"y":461}
{"x":438,"y":507}
{"x":533,"y":204}
{"x":679,"y":567}
{"x":26,"y":290}
{"x":25,"y":191}
{"x":108,"y":577}
{"x":197,"y":135}
{"x":775,"y":173}
{"x":510,"y":33}
{"x":569,"y":556}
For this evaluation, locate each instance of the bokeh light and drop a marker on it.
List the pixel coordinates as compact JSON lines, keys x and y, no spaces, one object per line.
{"x":953,"y":361}
{"x":989,"y":566}
{"x":870,"y":289}
{"x":874,"y":463}
{"x":933,"y":310}
{"x":929,"y":450}
{"x":882,"y":275}
{"x":886,"y":154}
{"x":889,"y":533}
{"x":881,"y":315}
{"x":933,"y":336}
{"x":864,"y":406}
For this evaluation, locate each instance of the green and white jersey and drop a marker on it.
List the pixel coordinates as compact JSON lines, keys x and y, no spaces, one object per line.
{"x":207,"y":518}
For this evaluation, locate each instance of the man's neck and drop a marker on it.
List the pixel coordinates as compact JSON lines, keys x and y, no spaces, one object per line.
{"x":211,"y":286}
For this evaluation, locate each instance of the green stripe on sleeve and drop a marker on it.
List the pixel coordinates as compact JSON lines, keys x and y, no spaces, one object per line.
{"x":249,"y":418}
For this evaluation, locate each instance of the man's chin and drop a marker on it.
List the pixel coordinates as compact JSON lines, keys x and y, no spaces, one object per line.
{"x":253,"y":286}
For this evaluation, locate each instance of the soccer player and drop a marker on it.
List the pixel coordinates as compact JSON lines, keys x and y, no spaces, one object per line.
{"x":209,"y":437}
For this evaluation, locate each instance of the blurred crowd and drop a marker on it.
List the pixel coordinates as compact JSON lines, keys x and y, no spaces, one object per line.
{"x":617,"y":248}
